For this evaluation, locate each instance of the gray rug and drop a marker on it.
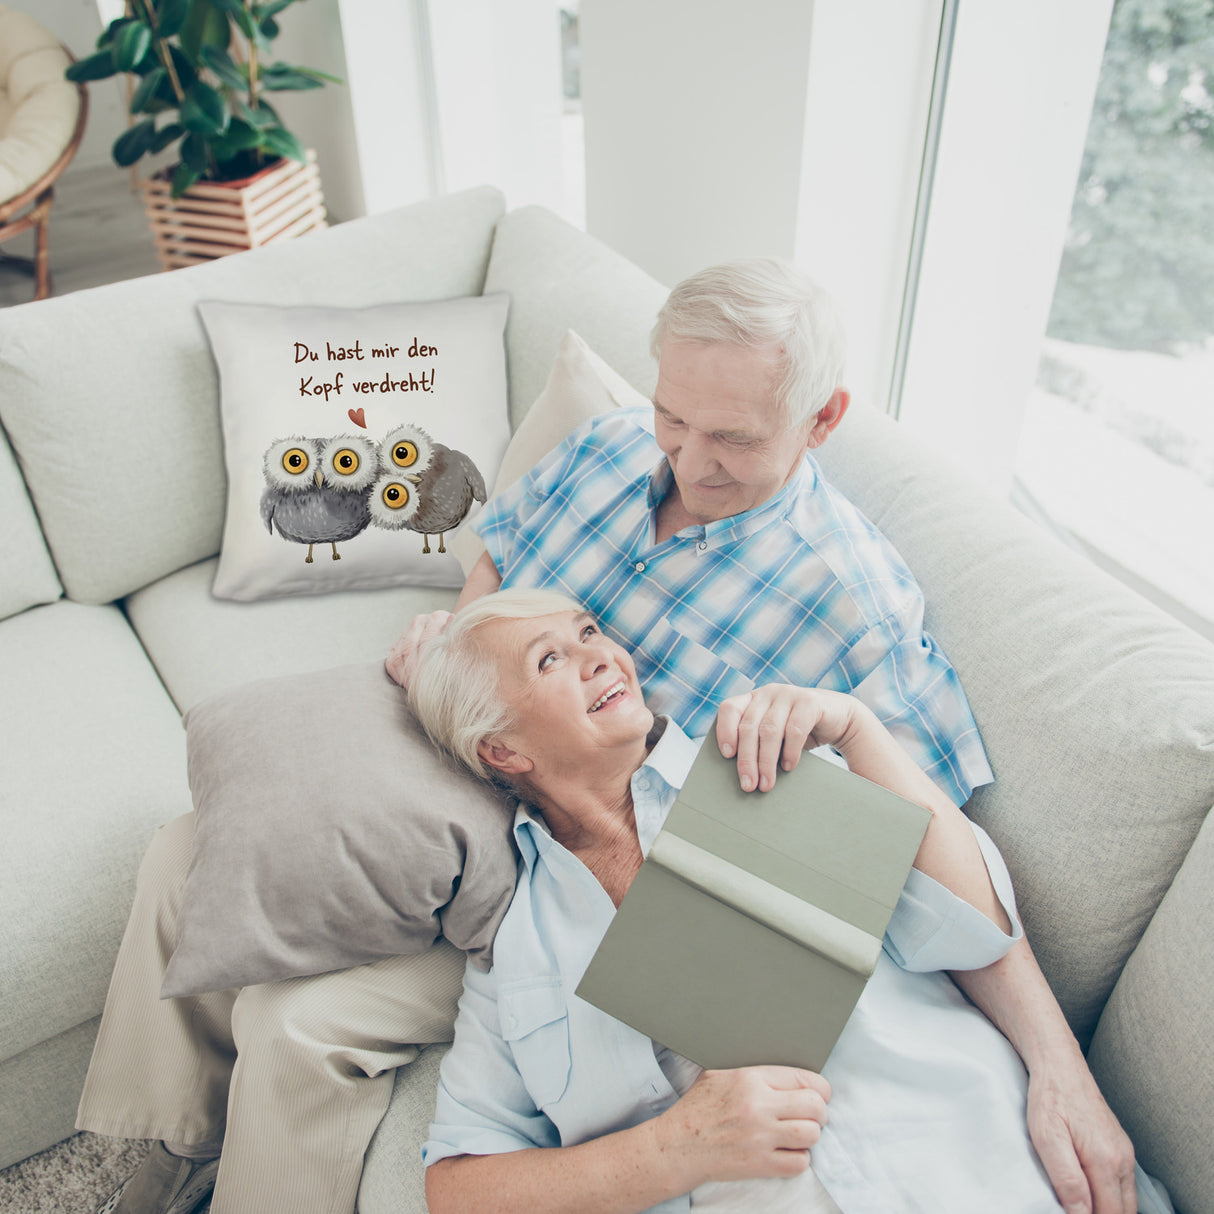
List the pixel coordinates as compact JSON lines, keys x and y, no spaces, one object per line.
{"x":74,"y":1177}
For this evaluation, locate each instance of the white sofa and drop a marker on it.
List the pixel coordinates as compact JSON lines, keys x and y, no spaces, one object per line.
{"x":1097,"y":711}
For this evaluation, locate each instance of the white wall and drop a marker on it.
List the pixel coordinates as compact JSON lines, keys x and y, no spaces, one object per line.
{"x":695,"y":122}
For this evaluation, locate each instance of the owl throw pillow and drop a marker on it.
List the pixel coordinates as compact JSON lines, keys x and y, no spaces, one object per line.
{"x":357,"y":440}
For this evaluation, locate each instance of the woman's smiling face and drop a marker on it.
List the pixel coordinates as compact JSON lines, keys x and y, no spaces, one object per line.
{"x":572,"y":691}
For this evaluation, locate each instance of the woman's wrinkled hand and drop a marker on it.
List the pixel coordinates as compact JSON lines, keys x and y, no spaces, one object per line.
{"x":768,"y":728}
{"x":401,"y":661}
{"x":750,"y":1122}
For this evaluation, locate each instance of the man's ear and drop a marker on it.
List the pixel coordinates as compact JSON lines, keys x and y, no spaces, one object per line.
{"x":829,"y":416}
{"x":494,"y":753}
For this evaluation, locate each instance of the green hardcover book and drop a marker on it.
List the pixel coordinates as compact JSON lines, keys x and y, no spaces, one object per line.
{"x":757,"y":918}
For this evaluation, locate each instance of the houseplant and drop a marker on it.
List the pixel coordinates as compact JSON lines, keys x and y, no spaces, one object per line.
{"x":201,"y":71}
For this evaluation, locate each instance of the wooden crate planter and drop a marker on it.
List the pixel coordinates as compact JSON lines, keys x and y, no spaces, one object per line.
{"x":215,"y":218}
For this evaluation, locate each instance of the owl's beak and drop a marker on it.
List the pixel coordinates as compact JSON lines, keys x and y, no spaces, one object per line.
{"x":413,"y":480}
{"x":316,"y":476}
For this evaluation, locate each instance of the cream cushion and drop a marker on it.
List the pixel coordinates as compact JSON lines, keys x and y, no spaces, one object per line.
{"x":38,"y":106}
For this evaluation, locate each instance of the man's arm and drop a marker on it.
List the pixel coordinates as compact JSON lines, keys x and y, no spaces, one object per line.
{"x":1087,"y":1155}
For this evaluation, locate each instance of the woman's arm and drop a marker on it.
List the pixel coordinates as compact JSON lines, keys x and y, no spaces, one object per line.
{"x":730,"y":1125}
{"x":769,"y":727}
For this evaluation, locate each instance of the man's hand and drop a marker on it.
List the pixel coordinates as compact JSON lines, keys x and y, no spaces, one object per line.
{"x":1087,"y":1155}
{"x":749,"y":1122}
{"x":400,"y":662}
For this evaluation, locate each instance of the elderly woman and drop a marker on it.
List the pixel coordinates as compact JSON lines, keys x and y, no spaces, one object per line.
{"x":547,"y":1103}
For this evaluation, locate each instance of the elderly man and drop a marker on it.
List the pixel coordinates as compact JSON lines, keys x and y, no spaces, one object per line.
{"x":704,"y":538}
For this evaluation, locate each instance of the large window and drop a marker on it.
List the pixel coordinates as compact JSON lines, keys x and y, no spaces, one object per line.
{"x":1117,"y":445}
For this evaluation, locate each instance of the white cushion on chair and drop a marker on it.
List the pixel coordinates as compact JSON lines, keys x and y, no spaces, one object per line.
{"x":38,"y":106}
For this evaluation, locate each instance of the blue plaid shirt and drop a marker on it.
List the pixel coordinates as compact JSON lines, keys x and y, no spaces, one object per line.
{"x":802,"y":589}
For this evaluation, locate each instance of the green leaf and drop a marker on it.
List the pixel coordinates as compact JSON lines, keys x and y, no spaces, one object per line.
{"x":203,"y":111}
{"x":132,"y":144}
{"x":281,"y":142}
{"x":166,"y":135}
{"x":269,"y":30}
{"x":272,"y":9}
{"x":225,"y":67}
{"x":241,"y":137}
{"x":187,"y":73}
{"x":108,"y":34}
{"x":171,"y":16}
{"x":317,"y":74}
{"x":95,"y":67}
{"x":280,"y":77}
{"x":262,"y":118}
{"x":194,"y":153}
{"x":132,"y":42}
{"x":205,"y":26}
{"x":144,"y":98}
{"x":183,"y":178}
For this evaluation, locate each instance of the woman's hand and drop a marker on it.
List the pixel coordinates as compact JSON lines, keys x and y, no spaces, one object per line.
{"x":750,"y":1122}
{"x":772,"y":725}
{"x":401,"y":661}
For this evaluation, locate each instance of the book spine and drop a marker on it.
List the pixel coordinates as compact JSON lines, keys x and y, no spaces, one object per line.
{"x":802,"y":922}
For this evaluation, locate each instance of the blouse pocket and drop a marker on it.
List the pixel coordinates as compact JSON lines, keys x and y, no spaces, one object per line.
{"x":682,"y":671}
{"x":535,"y":1023}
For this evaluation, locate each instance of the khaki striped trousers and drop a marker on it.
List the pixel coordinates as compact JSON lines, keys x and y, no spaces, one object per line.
{"x":293,"y":1076}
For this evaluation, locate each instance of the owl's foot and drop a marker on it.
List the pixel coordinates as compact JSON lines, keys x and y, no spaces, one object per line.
{"x":440,"y":541}
{"x":425,"y":543}
{"x":308,"y":558}
{"x":336,"y":554}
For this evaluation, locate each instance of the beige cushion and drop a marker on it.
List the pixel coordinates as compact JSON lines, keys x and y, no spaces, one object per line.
{"x":559,"y":279}
{"x":580,"y":386}
{"x":39,"y":107}
{"x":1096,"y":709}
{"x":329,"y":832}
{"x":1153,"y":1054}
{"x":131,"y":401}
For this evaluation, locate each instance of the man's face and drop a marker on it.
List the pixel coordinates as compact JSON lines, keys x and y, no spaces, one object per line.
{"x":716,"y":419}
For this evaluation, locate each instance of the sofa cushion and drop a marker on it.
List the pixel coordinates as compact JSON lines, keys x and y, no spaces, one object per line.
{"x":202,"y":645}
{"x":29,"y":574}
{"x":558,"y":279}
{"x":329,"y":833}
{"x":364,"y":469}
{"x":93,"y":760}
{"x":1152,"y":1054}
{"x":1097,"y":710}
{"x":115,"y":388}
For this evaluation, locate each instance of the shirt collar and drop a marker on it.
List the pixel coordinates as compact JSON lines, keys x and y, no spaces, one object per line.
{"x":655,"y":784}
{"x":737,"y":526}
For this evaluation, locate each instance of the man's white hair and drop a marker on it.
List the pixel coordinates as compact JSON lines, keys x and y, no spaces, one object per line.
{"x":763,"y":303}
{"x":454,"y":691}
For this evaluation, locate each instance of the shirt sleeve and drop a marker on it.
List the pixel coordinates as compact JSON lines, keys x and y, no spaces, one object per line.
{"x":504,"y":519}
{"x":933,"y":929}
{"x":483,"y":1107}
{"x":906,"y":679}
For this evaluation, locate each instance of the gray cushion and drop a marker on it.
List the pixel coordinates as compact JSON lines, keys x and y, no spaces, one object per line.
{"x":201,"y":645}
{"x":110,"y":396}
{"x":29,"y":574}
{"x":329,"y":832}
{"x":1095,"y":708}
{"x":92,"y":761}
{"x":1153,"y":1053}
{"x":558,"y":278}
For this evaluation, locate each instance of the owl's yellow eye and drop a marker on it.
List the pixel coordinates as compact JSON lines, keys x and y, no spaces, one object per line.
{"x":346,"y":461}
{"x":295,"y":461}
{"x":404,"y":454}
{"x":394,"y":495}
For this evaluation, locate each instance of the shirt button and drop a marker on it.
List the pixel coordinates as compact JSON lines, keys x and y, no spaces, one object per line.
{"x":702,"y":545}
{"x":639,"y":566}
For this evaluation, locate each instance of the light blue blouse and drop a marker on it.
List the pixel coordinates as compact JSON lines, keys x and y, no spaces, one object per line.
{"x":928,"y":1104}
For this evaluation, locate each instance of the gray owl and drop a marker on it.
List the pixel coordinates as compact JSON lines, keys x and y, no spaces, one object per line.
{"x":317,"y":489}
{"x":423,"y":485}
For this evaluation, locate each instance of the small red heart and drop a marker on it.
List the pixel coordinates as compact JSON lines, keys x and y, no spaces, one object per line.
{"x":358,"y":417}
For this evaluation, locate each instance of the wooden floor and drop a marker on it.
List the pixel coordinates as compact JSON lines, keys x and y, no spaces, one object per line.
{"x":98,"y":234}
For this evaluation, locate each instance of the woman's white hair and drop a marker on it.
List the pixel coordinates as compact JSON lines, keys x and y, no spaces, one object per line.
{"x":454,"y":691}
{"x":763,"y":303}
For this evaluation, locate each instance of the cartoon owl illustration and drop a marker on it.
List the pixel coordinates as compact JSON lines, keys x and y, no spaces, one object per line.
{"x":432,"y":487}
{"x":317,"y":489}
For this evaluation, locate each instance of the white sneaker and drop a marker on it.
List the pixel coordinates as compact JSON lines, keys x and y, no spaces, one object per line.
{"x":164,"y":1184}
